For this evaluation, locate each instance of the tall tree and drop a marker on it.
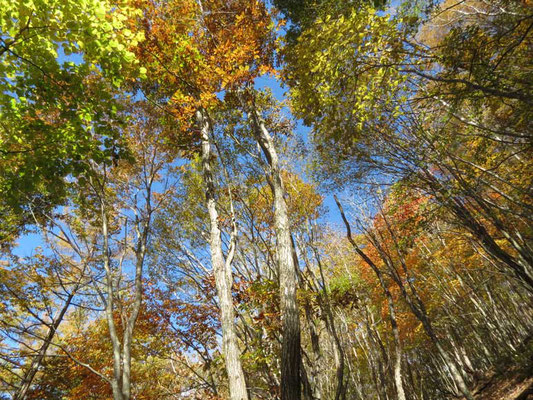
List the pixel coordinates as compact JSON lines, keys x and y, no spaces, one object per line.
{"x":291,"y":358}
{"x":223,"y":44}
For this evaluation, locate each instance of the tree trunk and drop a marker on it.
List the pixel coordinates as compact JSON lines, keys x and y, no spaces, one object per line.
{"x":38,"y":359}
{"x":140,"y":253}
{"x":397,"y":349}
{"x":288,"y":279}
{"x":325,"y":305}
{"x":109,"y":309}
{"x":392,"y":312}
{"x":223,"y":274}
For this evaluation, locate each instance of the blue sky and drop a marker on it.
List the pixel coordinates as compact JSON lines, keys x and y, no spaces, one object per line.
{"x":27,"y":244}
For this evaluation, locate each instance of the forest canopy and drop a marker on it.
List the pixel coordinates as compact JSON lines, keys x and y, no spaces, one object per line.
{"x":251,"y":199}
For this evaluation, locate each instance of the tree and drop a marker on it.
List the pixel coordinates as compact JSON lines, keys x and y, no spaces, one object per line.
{"x":291,"y":358}
{"x":38,"y":292}
{"x":378,"y":104}
{"x":226,"y":45}
{"x":59,"y":64}
{"x":182,"y":245}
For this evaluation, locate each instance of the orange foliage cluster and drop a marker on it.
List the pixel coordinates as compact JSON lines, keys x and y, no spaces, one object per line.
{"x":197,"y":50}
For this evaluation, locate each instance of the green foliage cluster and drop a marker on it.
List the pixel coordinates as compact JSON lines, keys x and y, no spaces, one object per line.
{"x":61,"y":63}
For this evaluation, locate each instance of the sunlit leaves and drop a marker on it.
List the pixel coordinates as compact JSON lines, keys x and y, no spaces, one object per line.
{"x":196,"y":51}
{"x":342,"y":71}
{"x":60,"y":62}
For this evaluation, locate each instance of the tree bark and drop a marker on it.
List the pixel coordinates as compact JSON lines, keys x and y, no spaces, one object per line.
{"x":109,"y":309}
{"x":288,"y":279}
{"x":222,"y":271}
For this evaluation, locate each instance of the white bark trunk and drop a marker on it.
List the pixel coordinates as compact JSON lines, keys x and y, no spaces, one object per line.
{"x":223,"y":274}
{"x":288,"y":279}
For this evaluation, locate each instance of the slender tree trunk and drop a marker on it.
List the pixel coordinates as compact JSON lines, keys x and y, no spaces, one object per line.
{"x":315,"y":362}
{"x":306,"y":383}
{"x":397,"y":350}
{"x":288,"y":279}
{"x":38,"y":359}
{"x":418,"y":309}
{"x":392,"y":312}
{"x":325,"y":304}
{"x":223,"y":274}
{"x":109,"y":308}
{"x":140,"y":253}
{"x":378,"y":377}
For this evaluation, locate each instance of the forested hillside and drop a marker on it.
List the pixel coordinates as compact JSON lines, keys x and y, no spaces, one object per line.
{"x":252,"y":199}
